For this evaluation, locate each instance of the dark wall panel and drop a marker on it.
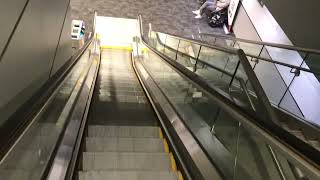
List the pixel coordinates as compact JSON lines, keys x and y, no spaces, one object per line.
{"x":64,"y":50}
{"x":299,"y":19}
{"x":9,"y":13}
{"x":26,"y":64}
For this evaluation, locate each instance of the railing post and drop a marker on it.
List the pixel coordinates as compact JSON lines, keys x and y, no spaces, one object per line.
{"x":234,"y":73}
{"x":177,"y":50}
{"x":195,"y":66}
{"x":164,"y":45}
{"x":277,"y":163}
{"x":262,"y":96}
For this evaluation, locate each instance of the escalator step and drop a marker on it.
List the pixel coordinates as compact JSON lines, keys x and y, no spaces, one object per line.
{"x":9,"y":174}
{"x":132,"y":175}
{"x":126,"y":161}
{"x":124,"y":145}
{"x":123,"y":131}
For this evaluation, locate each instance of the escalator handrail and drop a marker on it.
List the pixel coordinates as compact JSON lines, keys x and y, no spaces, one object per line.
{"x":314,"y":127}
{"x":242,"y":84}
{"x":313,"y":51}
{"x":277,"y":45}
{"x":261,"y":95}
{"x":76,"y":57}
{"x":302,"y":160}
{"x":241,"y":81}
{"x":46,"y":94}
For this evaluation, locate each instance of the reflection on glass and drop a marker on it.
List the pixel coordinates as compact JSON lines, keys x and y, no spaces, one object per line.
{"x":31,"y":154}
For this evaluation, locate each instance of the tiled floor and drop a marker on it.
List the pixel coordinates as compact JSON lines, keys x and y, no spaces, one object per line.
{"x":173,"y":16}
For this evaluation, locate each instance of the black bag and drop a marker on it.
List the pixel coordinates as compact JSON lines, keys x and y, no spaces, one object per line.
{"x":218,"y":18}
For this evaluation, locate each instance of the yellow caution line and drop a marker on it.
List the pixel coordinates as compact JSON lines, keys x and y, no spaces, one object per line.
{"x":180,"y":177}
{"x":173,"y":162}
{"x":160,"y":133}
{"x":166,"y":146}
{"x":116,"y":47}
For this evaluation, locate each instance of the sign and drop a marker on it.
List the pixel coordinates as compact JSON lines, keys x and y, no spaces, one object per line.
{"x":232,"y":11}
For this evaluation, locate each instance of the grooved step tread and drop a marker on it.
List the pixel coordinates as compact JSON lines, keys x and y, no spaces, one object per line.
{"x":17,"y":174}
{"x":126,"y":161}
{"x":127,"y":175}
{"x":123,"y":131}
{"x":124,"y":144}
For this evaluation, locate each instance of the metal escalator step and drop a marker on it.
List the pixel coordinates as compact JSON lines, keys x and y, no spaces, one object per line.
{"x":126,"y":161}
{"x":123,"y":131}
{"x":15,"y":174}
{"x":25,"y":159}
{"x":127,"y":175}
{"x":124,"y":145}
{"x":315,"y":144}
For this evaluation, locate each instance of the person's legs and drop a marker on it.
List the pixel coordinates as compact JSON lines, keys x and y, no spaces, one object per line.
{"x":207,"y":4}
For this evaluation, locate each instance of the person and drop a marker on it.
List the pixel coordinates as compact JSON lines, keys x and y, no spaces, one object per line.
{"x":211,"y":5}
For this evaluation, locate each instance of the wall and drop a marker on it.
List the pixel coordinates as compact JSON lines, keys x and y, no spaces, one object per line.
{"x":255,"y":22}
{"x":299,"y":19}
{"x":26,"y":63}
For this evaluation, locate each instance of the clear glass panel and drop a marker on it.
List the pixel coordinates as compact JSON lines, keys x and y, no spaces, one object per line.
{"x":31,"y":154}
{"x":285,"y":55}
{"x":187,"y":62}
{"x":254,"y":158}
{"x":250,"y":155}
{"x":160,"y":40}
{"x":219,"y":59}
{"x":214,"y":77}
{"x":312,"y":62}
{"x":171,"y":47}
{"x":249,"y":48}
{"x":189,"y":48}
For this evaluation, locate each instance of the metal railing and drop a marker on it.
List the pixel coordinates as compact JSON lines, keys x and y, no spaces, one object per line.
{"x":261,"y":96}
{"x":274,"y":143}
{"x":261,"y":47}
{"x":277,"y":45}
{"x":232,"y":76}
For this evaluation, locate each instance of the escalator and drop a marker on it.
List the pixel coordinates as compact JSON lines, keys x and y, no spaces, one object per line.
{"x":124,"y":138}
{"x":134,"y":113}
{"x":222,"y":71}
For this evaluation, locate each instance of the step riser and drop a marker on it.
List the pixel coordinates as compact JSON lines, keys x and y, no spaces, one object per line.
{"x":126,"y":161}
{"x":124,"y":145}
{"x":132,"y":175}
{"x":123,"y":131}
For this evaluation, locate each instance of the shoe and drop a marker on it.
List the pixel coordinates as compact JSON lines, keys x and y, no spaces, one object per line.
{"x":196,"y":12}
{"x":198,"y":16}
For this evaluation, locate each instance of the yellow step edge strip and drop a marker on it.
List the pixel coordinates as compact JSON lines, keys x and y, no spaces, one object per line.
{"x":116,"y":47}
{"x":180,"y":177}
{"x":160,"y":133}
{"x":172,"y":159}
{"x":166,"y":146}
{"x":173,"y":162}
